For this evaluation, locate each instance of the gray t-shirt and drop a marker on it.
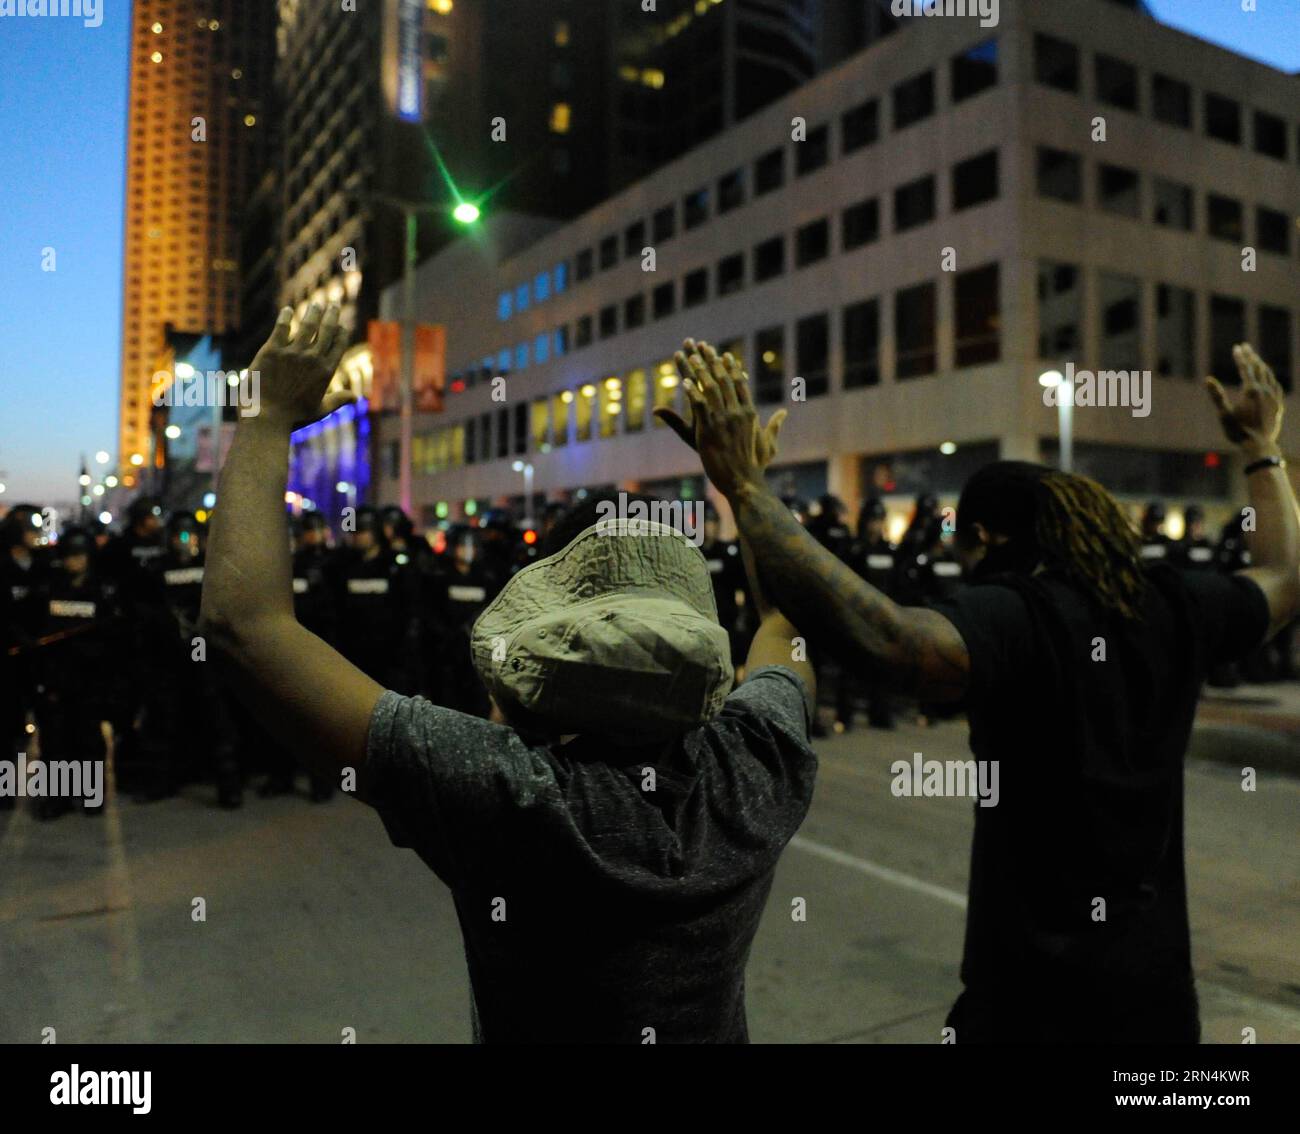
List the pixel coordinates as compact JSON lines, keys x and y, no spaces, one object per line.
{"x":601,"y":891}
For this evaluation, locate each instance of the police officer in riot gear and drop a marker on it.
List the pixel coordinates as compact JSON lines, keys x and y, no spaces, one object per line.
{"x":875,"y":558}
{"x":1194,"y":550}
{"x":75,"y":662}
{"x":1156,"y":546}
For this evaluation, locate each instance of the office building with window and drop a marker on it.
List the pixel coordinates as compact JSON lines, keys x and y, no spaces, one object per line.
{"x":899,"y":250}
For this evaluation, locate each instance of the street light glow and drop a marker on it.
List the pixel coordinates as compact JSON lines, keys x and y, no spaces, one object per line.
{"x":101,"y":457}
{"x":173,"y":432}
{"x":948,"y":448}
{"x":466,"y":213}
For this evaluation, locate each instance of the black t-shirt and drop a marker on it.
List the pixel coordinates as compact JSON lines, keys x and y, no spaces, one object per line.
{"x":592,"y":906}
{"x":1089,"y":717}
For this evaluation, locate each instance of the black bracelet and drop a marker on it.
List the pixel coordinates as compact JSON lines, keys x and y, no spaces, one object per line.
{"x":1265,"y":463}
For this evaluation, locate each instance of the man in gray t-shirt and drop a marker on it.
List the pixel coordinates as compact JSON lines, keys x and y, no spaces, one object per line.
{"x":596,"y":907}
{"x":609,"y":848}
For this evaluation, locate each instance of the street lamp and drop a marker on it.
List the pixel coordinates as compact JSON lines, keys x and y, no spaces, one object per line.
{"x":1055,"y":380}
{"x":527,"y":470}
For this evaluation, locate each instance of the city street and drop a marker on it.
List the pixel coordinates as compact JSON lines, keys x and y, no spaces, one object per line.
{"x":315,"y":924}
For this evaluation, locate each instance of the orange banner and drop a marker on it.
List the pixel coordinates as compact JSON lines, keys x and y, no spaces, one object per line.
{"x":385,"y":342}
{"x":430,"y":368}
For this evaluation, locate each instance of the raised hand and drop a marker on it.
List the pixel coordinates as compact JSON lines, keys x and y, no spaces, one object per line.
{"x":724,"y":428}
{"x":1254,"y":421}
{"x":295,"y":370}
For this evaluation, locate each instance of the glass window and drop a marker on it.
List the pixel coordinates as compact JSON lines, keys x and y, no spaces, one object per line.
{"x":860,"y":126}
{"x":695,"y":208}
{"x":1227,"y":329}
{"x":560,"y":415}
{"x":1060,"y":310}
{"x":861,"y":224}
{"x":584,"y":265}
{"x":505,"y":305}
{"x":561,"y":341}
{"x":862,"y":344}
{"x":585,"y":332}
{"x":1270,"y":135}
{"x":503,"y":362}
{"x":975,"y":180}
{"x":1275,"y":342}
{"x":812,"y":339}
{"x":769,"y":172}
{"x":522,"y":294}
{"x":1171,"y":101}
{"x":634,"y":397}
{"x":812,"y":243}
{"x":1173,"y":203}
{"x":585,"y":401}
{"x":913,"y":100}
{"x":1223,"y":119}
{"x":814,"y":152}
{"x":665,"y":389}
{"x":1274,"y":234}
{"x":1117,"y":82}
{"x":608,"y":252}
{"x":1225,"y":218}
{"x":1118,"y":190}
{"x":665,"y":223}
{"x":634,"y":239}
{"x":561,"y":277}
{"x":695,"y":288}
{"x":1056,"y":63}
{"x":979,"y":323}
{"x":914,"y":204}
{"x":634,"y":312}
{"x":664,"y":301}
{"x":975,"y":70}
{"x":503,"y":433}
{"x":769,"y":381}
{"x":542,"y":287}
{"x":731,"y":273}
{"x":914,"y":331}
{"x":1175,"y":331}
{"x":541,"y":349}
{"x":609,"y":321}
{"x":769,"y":259}
{"x":731,"y":191}
{"x":521,"y":356}
{"x":471,"y":441}
{"x":540,"y":425}
{"x":1060,"y":175}
{"x":1121,"y":322}
{"x":610,"y":400}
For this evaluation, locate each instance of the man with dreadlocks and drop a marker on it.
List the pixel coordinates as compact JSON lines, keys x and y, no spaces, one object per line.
{"x":1079,"y":666}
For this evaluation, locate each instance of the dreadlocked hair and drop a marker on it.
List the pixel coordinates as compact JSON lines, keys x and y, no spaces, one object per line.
{"x":1083,"y":531}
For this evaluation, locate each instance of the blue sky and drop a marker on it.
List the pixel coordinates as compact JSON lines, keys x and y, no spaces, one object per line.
{"x":62,"y":132}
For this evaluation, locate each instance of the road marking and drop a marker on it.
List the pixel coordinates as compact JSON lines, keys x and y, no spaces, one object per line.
{"x":884,"y":873}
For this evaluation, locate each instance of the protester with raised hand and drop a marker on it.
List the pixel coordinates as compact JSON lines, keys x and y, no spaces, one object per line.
{"x":1080,"y":668}
{"x":611,"y":837}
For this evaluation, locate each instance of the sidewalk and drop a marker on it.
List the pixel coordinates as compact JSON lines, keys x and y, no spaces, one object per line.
{"x":1257,"y":725}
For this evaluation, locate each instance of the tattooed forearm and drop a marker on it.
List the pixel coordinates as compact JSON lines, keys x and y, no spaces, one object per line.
{"x":910,"y":649}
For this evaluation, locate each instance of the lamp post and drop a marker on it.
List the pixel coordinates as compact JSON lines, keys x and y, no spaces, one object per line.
{"x":527,"y":469}
{"x":1055,"y":380}
{"x":465,"y":213}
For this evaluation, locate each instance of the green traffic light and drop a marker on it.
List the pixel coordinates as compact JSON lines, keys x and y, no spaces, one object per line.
{"x":466,"y":213}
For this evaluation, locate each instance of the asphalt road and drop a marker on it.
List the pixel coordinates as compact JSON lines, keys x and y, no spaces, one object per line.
{"x":315,"y":923}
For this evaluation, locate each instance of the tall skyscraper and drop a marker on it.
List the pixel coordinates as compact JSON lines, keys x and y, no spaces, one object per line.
{"x":199,"y":72}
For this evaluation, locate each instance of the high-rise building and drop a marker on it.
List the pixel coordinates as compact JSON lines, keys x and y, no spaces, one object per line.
{"x":424,"y":102}
{"x":200,"y":70}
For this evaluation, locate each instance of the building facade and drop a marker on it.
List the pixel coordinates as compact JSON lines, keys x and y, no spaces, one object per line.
{"x":200,"y":72}
{"x":899,"y":250}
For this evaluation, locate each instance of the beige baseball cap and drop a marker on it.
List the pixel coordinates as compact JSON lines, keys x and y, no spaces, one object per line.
{"x":615,"y":635}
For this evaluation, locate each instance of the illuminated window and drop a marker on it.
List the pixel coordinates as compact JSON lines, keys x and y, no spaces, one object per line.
{"x":442,"y":7}
{"x":560,"y":413}
{"x":560,"y":118}
{"x":561,"y":33}
{"x":540,"y":425}
{"x":584,"y":402}
{"x":653,"y":78}
{"x":666,"y":387}
{"x":634,"y":399}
